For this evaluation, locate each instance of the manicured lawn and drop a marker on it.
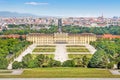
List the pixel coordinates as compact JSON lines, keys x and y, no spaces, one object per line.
{"x":44,"y":50}
{"x":65,"y":73}
{"x":49,"y":55}
{"x":5,"y":71}
{"x":71,"y":56}
{"x":77,"y":50}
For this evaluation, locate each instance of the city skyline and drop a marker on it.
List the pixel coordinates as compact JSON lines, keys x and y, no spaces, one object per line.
{"x":64,"y":8}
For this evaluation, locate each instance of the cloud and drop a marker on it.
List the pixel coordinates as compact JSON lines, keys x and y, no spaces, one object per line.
{"x":36,"y":3}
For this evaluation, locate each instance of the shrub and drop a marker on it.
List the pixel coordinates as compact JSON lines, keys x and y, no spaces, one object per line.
{"x":17,"y":65}
{"x":69,"y":63}
{"x":110,"y":65}
{"x":54,"y":63}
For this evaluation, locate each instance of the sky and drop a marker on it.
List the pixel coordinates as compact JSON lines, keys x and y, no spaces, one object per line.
{"x":65,"y":8}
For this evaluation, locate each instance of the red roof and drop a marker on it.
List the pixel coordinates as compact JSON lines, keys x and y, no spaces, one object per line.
{"x":110,"y":36}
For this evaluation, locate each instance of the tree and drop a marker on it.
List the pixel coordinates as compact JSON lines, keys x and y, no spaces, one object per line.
{"x":110,"y":65}
{"x":85,"y":61}
{"x":97,"y":61}
{"x":54,"y":63}
{"x":78,"y":62}
{"x":118,"y":65}
{"x":26,"y":60}
{"x":40,"y":59}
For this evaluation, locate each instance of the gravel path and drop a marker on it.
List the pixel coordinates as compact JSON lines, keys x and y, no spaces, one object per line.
{"x":91,"y":48}
{"x":13,"y":72}
{"x":60,"y":53}
{"x":115,"y":72}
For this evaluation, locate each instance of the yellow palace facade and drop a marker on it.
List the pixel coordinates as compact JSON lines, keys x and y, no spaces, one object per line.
{"x":61,"y":38}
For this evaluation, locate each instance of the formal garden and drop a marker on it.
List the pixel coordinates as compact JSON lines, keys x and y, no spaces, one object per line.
{"x":44,"y":66}
{"x":45,"y":58}
{"x":78,"y":65}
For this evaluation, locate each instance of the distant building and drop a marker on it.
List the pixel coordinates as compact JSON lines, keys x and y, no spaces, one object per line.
{"x":14,"y":36}
{"x":110,"y":36}
{"x":60,"y":25}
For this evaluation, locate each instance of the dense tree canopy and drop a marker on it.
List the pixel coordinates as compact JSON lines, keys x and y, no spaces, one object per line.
{"x":3,"y":63}
{"x":99,"y":59}
{"x":39,"y":61}
{"x":96,"y":30}
{"x":25,"y":31}
{"x":108,"y":53}
{"x":9,"y":49}
{"x":11,"y":46}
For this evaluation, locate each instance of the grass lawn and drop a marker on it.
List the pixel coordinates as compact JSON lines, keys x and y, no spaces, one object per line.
{"x":44,"y":50}
{"x":49,"y":55}
{"x":65,"y":73}
{"x":78,"y":49}
{"x":71,"y":56}
{"x":5,"y":71}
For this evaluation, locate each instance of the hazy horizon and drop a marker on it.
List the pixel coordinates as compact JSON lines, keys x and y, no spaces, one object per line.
{"x":63,"y":8}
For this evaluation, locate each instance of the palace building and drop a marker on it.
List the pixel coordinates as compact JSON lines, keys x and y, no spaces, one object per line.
{"x":61,"y":38}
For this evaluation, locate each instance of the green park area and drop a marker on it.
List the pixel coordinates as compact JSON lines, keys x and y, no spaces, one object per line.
{"x":64,"y":73}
